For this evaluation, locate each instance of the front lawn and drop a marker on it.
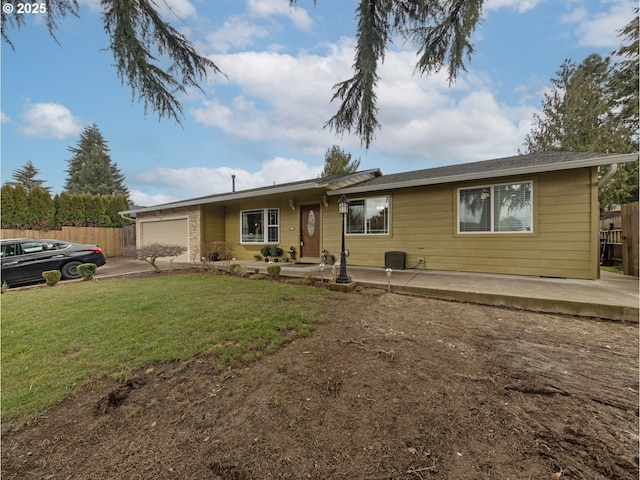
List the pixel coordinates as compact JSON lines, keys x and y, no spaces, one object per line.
{"x":54,"y":340}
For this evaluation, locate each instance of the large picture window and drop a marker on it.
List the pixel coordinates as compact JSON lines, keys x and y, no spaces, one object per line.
{"x":495,"y":208}
{"x":369,"y":216}
{"x":260,"y":226}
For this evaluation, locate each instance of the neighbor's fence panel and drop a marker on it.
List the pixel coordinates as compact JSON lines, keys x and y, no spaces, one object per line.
{"x":109,"y":239}
{"x":630,"y":238}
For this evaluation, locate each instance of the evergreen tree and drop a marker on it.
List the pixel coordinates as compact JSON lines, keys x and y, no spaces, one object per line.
{"x":94,"y":210}
{"x":625,"y":78}
{"x":624,"y":186}
{"x":113,"y":205}
{"x":138,"y":38}
{"x":90,"y":169}
{"x":134,"y":29}
{"x":20,"y":206}
{"x":7,"y":206}
{"x":70,"y":210}
{"x":41,"y":211}
{"x":26,"y":176}
{"x":338,"y":162}
{"x":581,"y":114}
{"x":577,"y":114}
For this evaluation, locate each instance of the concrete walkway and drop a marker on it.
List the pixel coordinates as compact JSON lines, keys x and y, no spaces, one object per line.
{"x":612,"y":297}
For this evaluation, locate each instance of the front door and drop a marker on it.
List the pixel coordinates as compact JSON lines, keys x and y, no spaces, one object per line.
{"x":310,"y":231}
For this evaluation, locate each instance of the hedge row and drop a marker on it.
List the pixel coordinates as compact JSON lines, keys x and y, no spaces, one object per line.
{"x":36,"y":210}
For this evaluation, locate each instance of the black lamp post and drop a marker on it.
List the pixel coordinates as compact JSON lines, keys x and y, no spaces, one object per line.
{"x":343,"y":208}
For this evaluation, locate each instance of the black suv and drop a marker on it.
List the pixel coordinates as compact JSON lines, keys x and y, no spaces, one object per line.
{"x":24,"y":259}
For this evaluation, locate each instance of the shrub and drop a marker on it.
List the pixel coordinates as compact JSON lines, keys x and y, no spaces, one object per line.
{"x":151,"y":252}
{"x":274,"y":271}
{"x":221,"y":250}
{"x":4,"y":287}
{"x":276,"y":252}
{"x":235,"y":269}
{"x":52,"y":277}
{"x":265,"y":251}
{"x":87,"y":270}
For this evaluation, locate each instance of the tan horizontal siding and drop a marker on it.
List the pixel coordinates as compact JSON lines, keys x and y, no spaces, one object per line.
{"x":423,"y":224}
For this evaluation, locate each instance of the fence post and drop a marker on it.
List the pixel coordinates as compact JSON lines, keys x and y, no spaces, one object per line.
{"x":630,"y":238}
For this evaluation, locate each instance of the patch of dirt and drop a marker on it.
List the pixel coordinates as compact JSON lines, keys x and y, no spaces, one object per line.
{"x":395,"y":387}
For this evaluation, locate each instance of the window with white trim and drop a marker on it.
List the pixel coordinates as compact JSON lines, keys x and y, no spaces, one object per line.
{"x":368,"y":216}
{"x":504,"y":208}
{"x":260,"y":226}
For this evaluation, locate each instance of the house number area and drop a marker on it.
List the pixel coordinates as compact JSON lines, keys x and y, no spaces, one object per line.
{"x":22,"y":8}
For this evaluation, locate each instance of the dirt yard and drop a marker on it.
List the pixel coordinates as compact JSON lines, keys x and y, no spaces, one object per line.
{"x":395,"y":387}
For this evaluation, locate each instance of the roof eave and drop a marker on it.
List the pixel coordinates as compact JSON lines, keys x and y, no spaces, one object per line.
{"x":589,"y":162}
{"x":311,"y":185}
{"x":225,"y":198}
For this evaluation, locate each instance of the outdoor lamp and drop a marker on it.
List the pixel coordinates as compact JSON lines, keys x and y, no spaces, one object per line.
{"x":343,"y":208}
{"x":388,"y":270}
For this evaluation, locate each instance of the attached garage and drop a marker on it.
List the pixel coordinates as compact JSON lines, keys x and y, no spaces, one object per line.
{"x":172,"y":231}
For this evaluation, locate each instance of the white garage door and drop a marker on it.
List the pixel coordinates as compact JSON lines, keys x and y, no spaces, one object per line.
{"x":172,"y":232}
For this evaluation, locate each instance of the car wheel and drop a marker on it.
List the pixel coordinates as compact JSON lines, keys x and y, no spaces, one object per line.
{"x":70,"y":270}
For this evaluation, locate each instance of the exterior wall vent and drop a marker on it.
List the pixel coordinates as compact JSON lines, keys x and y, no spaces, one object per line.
{"x":394,"y":260}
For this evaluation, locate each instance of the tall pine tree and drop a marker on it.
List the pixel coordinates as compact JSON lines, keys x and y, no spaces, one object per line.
{"x":91,"y":170}
{"x":587,"y":112}
{"x":577,"y":114}
{"x":625,"y":78}
{"x":338,"y":162}
{"x":26,"y":176}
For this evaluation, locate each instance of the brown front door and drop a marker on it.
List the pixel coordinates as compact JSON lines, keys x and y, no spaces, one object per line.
{"x":310,"y":231}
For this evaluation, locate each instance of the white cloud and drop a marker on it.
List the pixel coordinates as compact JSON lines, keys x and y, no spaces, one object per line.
{"x":270,"y":8}
{"x":142,"y":199}
{"x":601,"y":30}
{"x":48,"y":120}
{"x":4,"y":118}
{"x":280,"y":96}
{"x":285,"y":97}
{"x":520,"y":5}
{"x":179,"y":9}
{"x":235,"y":32}
{"x":201,"y":181}
{"x":476,"y":128}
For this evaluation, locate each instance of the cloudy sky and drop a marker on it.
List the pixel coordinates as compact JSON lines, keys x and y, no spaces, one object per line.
{"x":263,"y":121}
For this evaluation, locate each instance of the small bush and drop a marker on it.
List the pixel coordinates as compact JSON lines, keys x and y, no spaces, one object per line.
{"x":235,"y":269}
{"x":152,"y":251}
{"x":52,"y":277}
{"x":276,"y":252}
{"x":4,"y":287}
{"x":87,"y":270}
{"x":221,"y":250}
{"x":274,"y":271}
{"x":265,"y":251}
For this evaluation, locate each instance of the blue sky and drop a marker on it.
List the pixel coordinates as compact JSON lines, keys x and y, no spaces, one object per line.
{"x":263,"y":122}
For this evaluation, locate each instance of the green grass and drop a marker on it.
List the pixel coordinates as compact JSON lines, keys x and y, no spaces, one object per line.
{"x":54,"y":340}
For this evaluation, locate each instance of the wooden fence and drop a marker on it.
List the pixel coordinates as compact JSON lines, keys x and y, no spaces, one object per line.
{"x":110,"y":240}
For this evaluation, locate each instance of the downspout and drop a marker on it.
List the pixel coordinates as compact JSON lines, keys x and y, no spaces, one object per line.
{"x":608,"y":175}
